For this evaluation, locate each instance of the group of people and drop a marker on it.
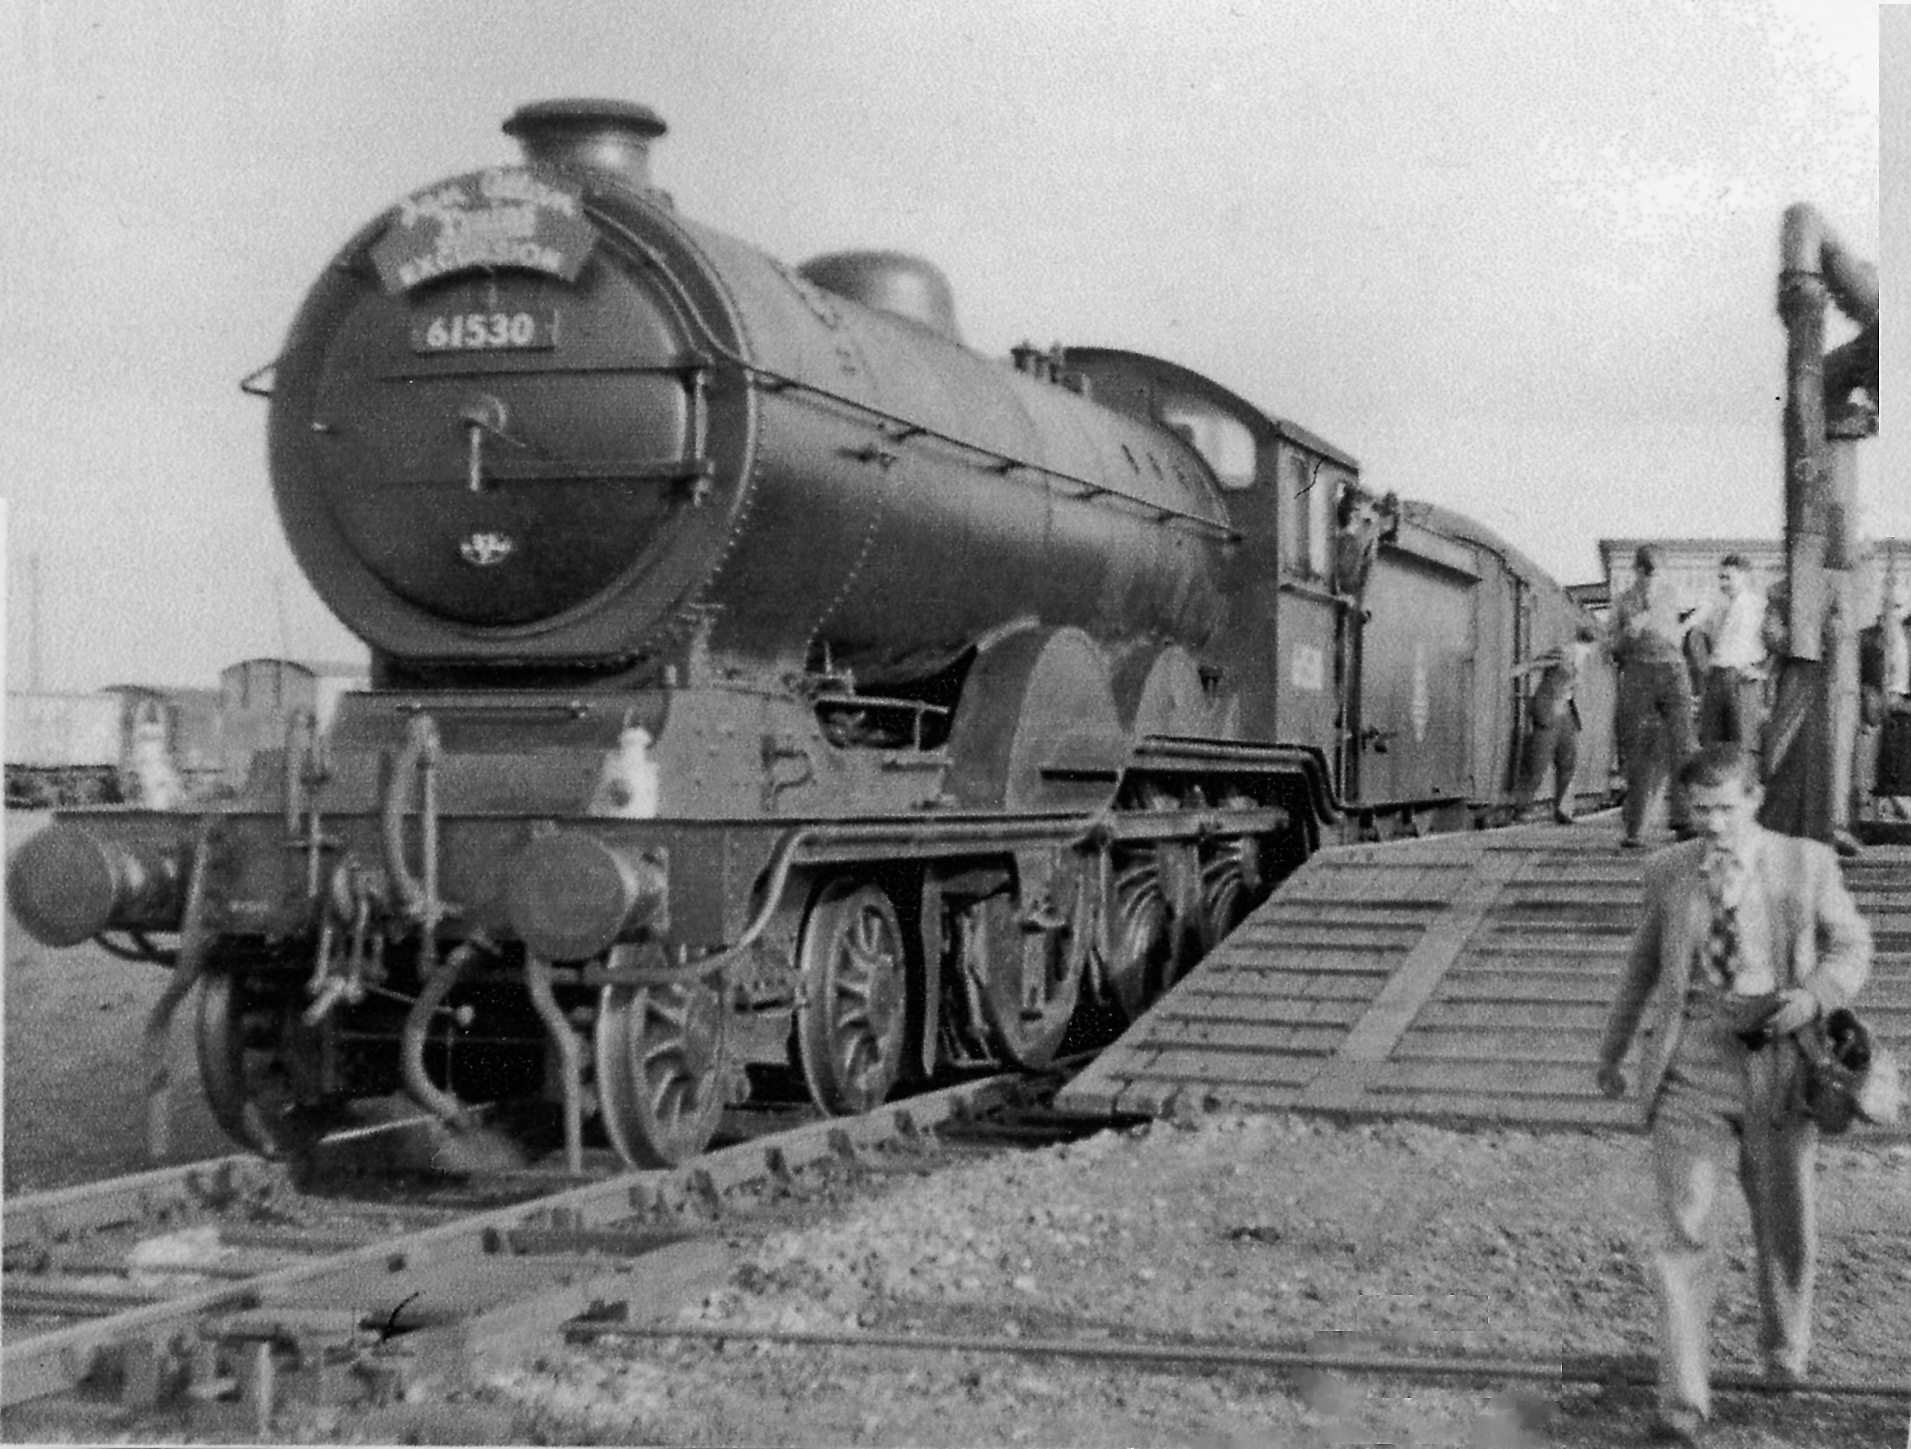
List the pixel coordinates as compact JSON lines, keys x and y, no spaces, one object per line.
{"x":1715,"y":666}
{"x":1749,"y":939}
{"x":1884,"y":718}
{"x":1706,"y":676}
{"x":1684,"y":682}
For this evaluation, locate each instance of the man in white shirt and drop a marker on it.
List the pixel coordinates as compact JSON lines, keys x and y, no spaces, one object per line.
{"x":1897,"y":646}
{"x":1732,"y":701}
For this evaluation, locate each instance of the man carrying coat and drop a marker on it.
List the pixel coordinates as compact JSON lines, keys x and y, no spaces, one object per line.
{"x":1747,"y":934}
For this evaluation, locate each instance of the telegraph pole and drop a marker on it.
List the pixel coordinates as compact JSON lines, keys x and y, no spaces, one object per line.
{"x":278,"y":601}
{"x":1830,"y":406}
{"x":34,"y":681}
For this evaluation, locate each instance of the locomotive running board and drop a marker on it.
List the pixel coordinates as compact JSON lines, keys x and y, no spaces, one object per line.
{"x":1462,"y":978}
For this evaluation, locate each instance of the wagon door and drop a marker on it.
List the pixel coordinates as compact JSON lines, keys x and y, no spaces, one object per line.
{"x":1525,"y":647}
{"x":1417,"y":653}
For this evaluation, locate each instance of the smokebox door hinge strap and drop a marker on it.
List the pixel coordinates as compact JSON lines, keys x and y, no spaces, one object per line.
{"x":419,"y":896}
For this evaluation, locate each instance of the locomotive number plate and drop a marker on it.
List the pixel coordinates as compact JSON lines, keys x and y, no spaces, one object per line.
{"x":521,"y":330}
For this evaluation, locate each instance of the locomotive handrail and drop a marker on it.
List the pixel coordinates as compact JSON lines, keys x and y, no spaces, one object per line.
{"x":1316,"y":592}
{"x":574,"y":708}
{"x":606,"y":470}
{"x":878,"y":701}
{"x":1005,"y":464}
{"x":898,"y":428}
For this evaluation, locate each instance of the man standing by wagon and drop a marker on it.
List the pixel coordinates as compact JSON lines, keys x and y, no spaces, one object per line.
{"x":1655,"y":701}
{"x":1732,"y":695}
{"x":1552,"y":715}
{"x":1749,"y":936}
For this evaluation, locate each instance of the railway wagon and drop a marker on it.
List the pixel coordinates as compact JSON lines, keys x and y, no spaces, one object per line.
{"x":79,"y":748}
{"x":62,"y":748}
{"x":768,"y":690}
{"x":1452,"y":610}
{"x":83,"y":749}
{"x":260,"y":698}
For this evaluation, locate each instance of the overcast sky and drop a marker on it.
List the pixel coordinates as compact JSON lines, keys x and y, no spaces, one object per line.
{"x":1517,"y":256}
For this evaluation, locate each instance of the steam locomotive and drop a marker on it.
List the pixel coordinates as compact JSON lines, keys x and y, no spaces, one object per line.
{"x":768,"y":687}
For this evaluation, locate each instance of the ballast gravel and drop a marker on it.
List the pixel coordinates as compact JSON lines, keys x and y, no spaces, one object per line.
{"x":1237,"y":1231}
{"x":1279,"y":1232}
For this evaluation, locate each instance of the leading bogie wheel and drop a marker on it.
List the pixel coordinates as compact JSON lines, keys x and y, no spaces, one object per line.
{"x":851,"y":1017}
{"x":660,"y":1064}
{"x":252,"y":1045}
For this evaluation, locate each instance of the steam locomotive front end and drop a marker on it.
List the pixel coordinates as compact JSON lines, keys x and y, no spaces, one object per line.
{"x":534,"y":424}
{"x":493,"y":436}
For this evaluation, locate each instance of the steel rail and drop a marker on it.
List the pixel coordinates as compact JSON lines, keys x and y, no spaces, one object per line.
{"x":41,"y":1216}
{"x":58,"y":1361}
{"x":1196,"y":1353}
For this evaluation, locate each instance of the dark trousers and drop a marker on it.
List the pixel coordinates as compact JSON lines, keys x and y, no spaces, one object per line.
{"x":1732,"y":710}
{"x":1558,"y":746}
{"x":1655,"y":737}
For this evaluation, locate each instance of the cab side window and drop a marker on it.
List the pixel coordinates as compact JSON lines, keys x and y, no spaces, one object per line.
{"x":1307,"y":516}
{"x":1223,"y":441}
{"x":1321,"y":500}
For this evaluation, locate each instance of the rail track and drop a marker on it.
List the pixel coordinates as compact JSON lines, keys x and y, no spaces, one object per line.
{"x":1338,"y":1352}
{"x":233,"y":1286}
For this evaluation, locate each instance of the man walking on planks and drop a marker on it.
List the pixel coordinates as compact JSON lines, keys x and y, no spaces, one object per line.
{"x":1747,"y":935}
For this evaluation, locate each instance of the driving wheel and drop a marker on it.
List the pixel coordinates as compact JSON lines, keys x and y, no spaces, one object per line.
{"x":1028,"y":968}
{"x":1231,"y":879}
{"x":1141,"y":944}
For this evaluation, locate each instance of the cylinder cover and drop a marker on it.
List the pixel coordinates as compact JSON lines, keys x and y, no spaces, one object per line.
{"x":572,"y":896}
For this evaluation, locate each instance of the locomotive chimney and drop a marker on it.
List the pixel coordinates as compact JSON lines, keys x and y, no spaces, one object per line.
{"x":611,"y":136}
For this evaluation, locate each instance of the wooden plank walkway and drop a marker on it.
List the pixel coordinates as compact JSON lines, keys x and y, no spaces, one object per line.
{"x":1460,"y":978}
